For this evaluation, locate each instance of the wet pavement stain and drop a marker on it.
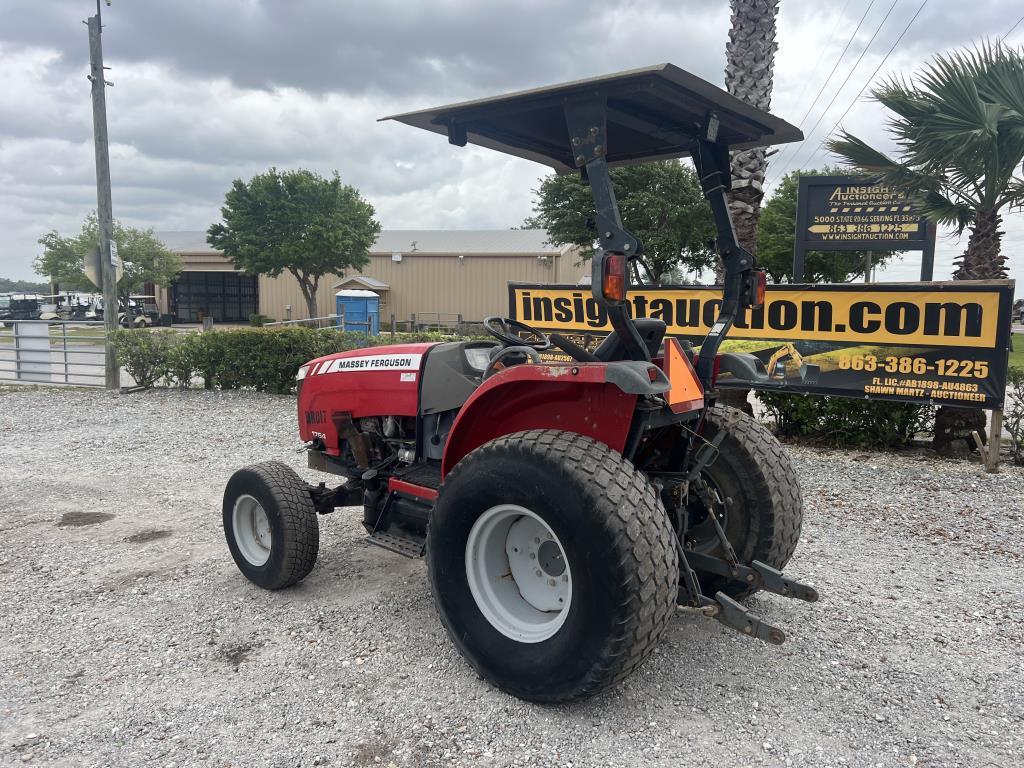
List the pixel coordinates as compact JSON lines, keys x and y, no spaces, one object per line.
{"x":143,"y":536}
{"x":79,"y":519}
{"x":238,"y":653}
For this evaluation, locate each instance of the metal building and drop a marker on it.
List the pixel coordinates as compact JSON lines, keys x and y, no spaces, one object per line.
{"x":421,"y":274}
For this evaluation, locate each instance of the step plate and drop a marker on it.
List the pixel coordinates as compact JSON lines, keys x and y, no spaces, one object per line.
{"x":408,"y":546}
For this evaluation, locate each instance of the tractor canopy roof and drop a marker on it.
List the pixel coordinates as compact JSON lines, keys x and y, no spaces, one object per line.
{"x":651,"y":113}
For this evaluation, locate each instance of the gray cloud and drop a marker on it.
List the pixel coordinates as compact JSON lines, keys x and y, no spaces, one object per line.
{"x":207,"y":92}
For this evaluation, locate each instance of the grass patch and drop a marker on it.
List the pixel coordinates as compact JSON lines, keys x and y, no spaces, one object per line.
{"x":1017,"y":354}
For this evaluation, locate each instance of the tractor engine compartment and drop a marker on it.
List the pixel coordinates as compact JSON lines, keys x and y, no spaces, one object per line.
{"x":387,"y":458}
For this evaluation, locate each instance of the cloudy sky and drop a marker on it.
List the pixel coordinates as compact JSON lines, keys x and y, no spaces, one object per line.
{"x":207,"y":92}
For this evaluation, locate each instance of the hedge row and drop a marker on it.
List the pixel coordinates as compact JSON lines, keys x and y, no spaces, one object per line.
{"x":265,"y":359}
{"x":845,"y":422}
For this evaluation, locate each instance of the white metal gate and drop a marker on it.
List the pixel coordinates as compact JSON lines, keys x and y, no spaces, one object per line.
{"x":53,"y":352}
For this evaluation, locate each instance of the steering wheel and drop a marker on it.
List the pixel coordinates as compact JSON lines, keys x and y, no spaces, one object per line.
{"x":504,"y":328}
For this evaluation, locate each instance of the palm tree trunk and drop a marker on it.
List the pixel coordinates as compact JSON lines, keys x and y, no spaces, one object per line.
{"x":749,"y":65}
{"x":981,"y":261}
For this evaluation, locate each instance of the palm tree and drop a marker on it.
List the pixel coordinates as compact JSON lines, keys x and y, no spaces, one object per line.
{"x":749,"y":68}
{"x":749,"y":64}
{"x":959,"y":129}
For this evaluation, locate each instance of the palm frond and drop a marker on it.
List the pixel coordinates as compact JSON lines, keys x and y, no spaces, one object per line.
{"x":1013,"y":195}
{"x":958,"y":125}
{"x":941,"y":209}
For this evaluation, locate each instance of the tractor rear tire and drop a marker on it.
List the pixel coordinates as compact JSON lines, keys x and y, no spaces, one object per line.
{"x":271,"y":524}
{"x":764,"y":507}
{"x":603,"y":540}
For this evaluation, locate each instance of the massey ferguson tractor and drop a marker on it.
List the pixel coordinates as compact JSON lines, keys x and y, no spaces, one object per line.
{"x":565,"y":509}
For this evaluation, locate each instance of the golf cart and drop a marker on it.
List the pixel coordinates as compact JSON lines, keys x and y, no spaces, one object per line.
{"x":564,"y":509}
{"x":23,"y":306}
{"x":142,"y":312}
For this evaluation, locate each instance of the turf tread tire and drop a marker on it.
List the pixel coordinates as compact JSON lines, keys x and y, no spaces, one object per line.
{"x":643,"y":551}
{"x":751,"y":442}
{"x":299,"y":528}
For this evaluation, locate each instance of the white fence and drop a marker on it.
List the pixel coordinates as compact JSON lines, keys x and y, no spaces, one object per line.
{"x":53,"y":352}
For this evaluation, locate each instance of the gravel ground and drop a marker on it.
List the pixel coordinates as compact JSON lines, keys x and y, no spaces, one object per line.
{"x":127,"y":636}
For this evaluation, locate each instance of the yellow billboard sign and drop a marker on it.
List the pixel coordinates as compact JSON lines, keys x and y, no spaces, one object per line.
{"x":930,"y":314}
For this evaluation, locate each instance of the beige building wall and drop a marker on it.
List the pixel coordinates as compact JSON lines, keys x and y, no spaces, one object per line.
{"x":474,"y":286}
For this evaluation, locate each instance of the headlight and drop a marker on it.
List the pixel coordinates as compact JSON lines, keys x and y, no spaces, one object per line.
{"x":478,"y":358}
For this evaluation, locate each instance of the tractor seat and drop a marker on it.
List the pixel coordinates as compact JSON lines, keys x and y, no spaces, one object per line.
{"x":651,"y":331}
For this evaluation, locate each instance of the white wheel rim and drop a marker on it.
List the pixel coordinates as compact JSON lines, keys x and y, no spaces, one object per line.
{"x":518,"y":573}
{"x":252,"y":529}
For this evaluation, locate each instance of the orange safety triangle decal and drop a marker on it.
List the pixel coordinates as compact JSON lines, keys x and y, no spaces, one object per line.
{"x":686,"y":394}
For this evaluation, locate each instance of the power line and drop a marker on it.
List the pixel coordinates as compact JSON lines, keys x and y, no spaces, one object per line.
{"x":1010,"y":30}
{"x":846,"y":80}
{"x":828,"y":79}
{"x":873,"y":74}
{"x":821,"y":53}
{"x":836,"y":65}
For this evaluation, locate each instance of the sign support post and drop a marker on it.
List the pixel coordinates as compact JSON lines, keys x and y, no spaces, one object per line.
{"x":995,"y":441}
{"x":928,"y":255}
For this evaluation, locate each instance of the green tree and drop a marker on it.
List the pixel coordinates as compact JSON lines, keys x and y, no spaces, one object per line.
{"x":295,"y":221}
{"x":7,"y":285}
{"x":661,"y":203}
{"x":145,"y":258}
{"x":959,"y":130}
{"x":776,"y":234}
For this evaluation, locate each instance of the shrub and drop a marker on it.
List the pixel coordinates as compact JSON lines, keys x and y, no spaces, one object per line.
{"x":144,"y":353}
{"x":181,"y":364}
{"x":264,"y":359}
{"x":1013,"y":414}
{"x":846,"y":422}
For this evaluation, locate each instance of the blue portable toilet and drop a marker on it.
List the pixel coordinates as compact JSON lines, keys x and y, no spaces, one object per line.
{"x":359,"y":307}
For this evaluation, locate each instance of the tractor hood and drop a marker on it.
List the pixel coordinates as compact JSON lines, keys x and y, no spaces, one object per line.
{"x":375,"y":381}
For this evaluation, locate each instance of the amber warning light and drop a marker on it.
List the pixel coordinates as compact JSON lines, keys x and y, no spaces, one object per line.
{"x":755,"y":283}
{"x":613,"y":282}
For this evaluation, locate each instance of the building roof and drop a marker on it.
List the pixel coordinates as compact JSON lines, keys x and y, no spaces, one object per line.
{"x":186,"y":241}
{"x":363,"y":281}
{"x":456,"y":241}
{"x":408,"y":241}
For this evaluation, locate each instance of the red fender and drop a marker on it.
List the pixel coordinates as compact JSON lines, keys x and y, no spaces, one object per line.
{"x":571,"y":398}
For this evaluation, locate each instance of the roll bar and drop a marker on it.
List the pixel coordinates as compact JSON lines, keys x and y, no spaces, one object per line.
{"x":586,"y":120}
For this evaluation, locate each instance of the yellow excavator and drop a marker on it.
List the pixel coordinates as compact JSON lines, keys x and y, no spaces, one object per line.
{"x":777,"y":368}
{"x":749,"y":368}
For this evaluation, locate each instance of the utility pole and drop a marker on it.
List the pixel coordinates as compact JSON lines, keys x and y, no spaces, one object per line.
{"x":104,"y":207}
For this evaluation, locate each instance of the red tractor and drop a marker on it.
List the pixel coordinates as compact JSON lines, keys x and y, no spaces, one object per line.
{"x":565,"y":509}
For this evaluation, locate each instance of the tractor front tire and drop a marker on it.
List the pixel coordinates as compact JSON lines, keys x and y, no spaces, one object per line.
{"x":271,"y":524}
{"x":763,"y":505}
{"x":552,"y":564}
